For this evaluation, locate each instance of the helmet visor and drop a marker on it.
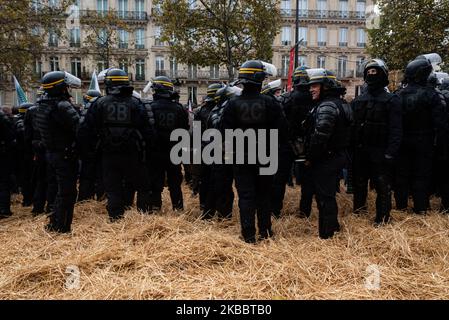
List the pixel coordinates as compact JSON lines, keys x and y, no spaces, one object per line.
{"x":72,"y":81}
{"x":270,"y":69}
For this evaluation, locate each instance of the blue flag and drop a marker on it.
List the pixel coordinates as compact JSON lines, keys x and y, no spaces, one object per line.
{"x":21,"y":96}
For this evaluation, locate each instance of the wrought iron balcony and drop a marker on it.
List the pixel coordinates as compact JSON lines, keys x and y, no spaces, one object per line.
{"x":323,"y":14}
{"x":125,"y":15}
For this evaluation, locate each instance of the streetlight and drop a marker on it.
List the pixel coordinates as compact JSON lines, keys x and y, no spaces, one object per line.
{"x":296,"y":33}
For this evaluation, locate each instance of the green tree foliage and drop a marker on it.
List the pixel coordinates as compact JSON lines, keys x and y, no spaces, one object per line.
{"x":408,"y":28}
{"x":219,"y":32}
{"x":102,"y":40}
{"x":23,"y":26}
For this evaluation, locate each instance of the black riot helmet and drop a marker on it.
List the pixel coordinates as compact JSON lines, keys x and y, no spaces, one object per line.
{"x":418,"y":71}
{"x":212,"y":90}
{"x":55,"y":83}
{"x":226,"y":93}
{"x":90,"y":95}
{"x":115,"y":77}
{"x":255,"y":72}
{"x":381,"y":78}
{"x":22,"y":108}
{"x":300,"y":76}
{"x":163,"y":87}
{"x":328,"y":81}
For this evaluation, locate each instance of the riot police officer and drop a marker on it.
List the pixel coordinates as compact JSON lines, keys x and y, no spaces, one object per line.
{"x":57,"y":122}
{"x":220,"y":194}
{"x":202,"y":114}
{"x":7,"y":141}
{"x":441,"y":170}
{"x":296,"y":105}
{"x":119,"y":124}
{"x":168,"y":116}
{"x":376,"y":138}
{"x":91,"y":182}
{"x":23,"y":155}
{"x":327,"y":140}
{"x":253,"y":110}
{"x":424,"y":125}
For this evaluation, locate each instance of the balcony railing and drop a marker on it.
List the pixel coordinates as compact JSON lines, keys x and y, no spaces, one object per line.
{"x":342,"y":74}
{"x":75,"y":44}
{"x":125,"y":15}
{"x":361,"y":45}
{"x":140,"y":77}
{"x":140,"y":46}
{"x":193,"y":74}
{"x":322,"y":43}
{"x":324,"y":14}
{"x":342,"y":44}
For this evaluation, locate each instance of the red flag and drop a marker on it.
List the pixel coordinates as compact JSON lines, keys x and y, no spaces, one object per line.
{"x":290,"y":69}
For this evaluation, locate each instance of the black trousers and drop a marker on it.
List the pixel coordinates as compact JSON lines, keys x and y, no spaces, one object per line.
{"x":5,"y":184}
{"x":39,"y":178}
{"x":223,"y":178}
{"x":324,"y":175}
{"x":414,"y":172}
{"x":307,"y":190}
{"x":24,"y":175}
{"x":66,"y":175}
{"x":118,"y":168}
{"x":368,"y":165}
{"x":91,"y":179}
{"x":281,"y":179}
{"x":161,"y":169}
{"x":254,"y":199}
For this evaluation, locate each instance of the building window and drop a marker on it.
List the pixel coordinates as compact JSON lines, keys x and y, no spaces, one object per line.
{"x":302,"y":61}
{"x":192,"y":4}
{"x":38,"y":68}
{"x":214,"y":72}
{"x":102,"y":7}
{"x":123,"y":38}
{"x":102,"y":37}
{"x":321,"y":62}
{"x":140,"y":9}
{"x":157,"y":36}
{"x":344,"y":13}
{"x":173,"y":68}
{"x":101,"y":65}
{"x":192,"y":92}
{"x":53,"y":3}
{"x":140,"y":69}
{"x":76,"y":67}
{"x":359,"y":66}
{"x":140,"y":39}
{"x":286,"y":36}
{"x":343,"y":37}
{"x":160,"y":66}
{"x":52,"y":38}
{"x":285,"y":65}
{"x":75,"y":38}
{"x":286,"y":6}
{"x":322,"y":8}
{"x":361,"y":8}
{"x":303,"y":31}
{"x":192,"y":71}
{"x":361,"y":42}
{"x":303,"y":8}
{"x":342,"y":64}
{"x":123,"y":64}
{"x":322,"y":37}
{"x":54,"y":64}
{"x":122,"y":9}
